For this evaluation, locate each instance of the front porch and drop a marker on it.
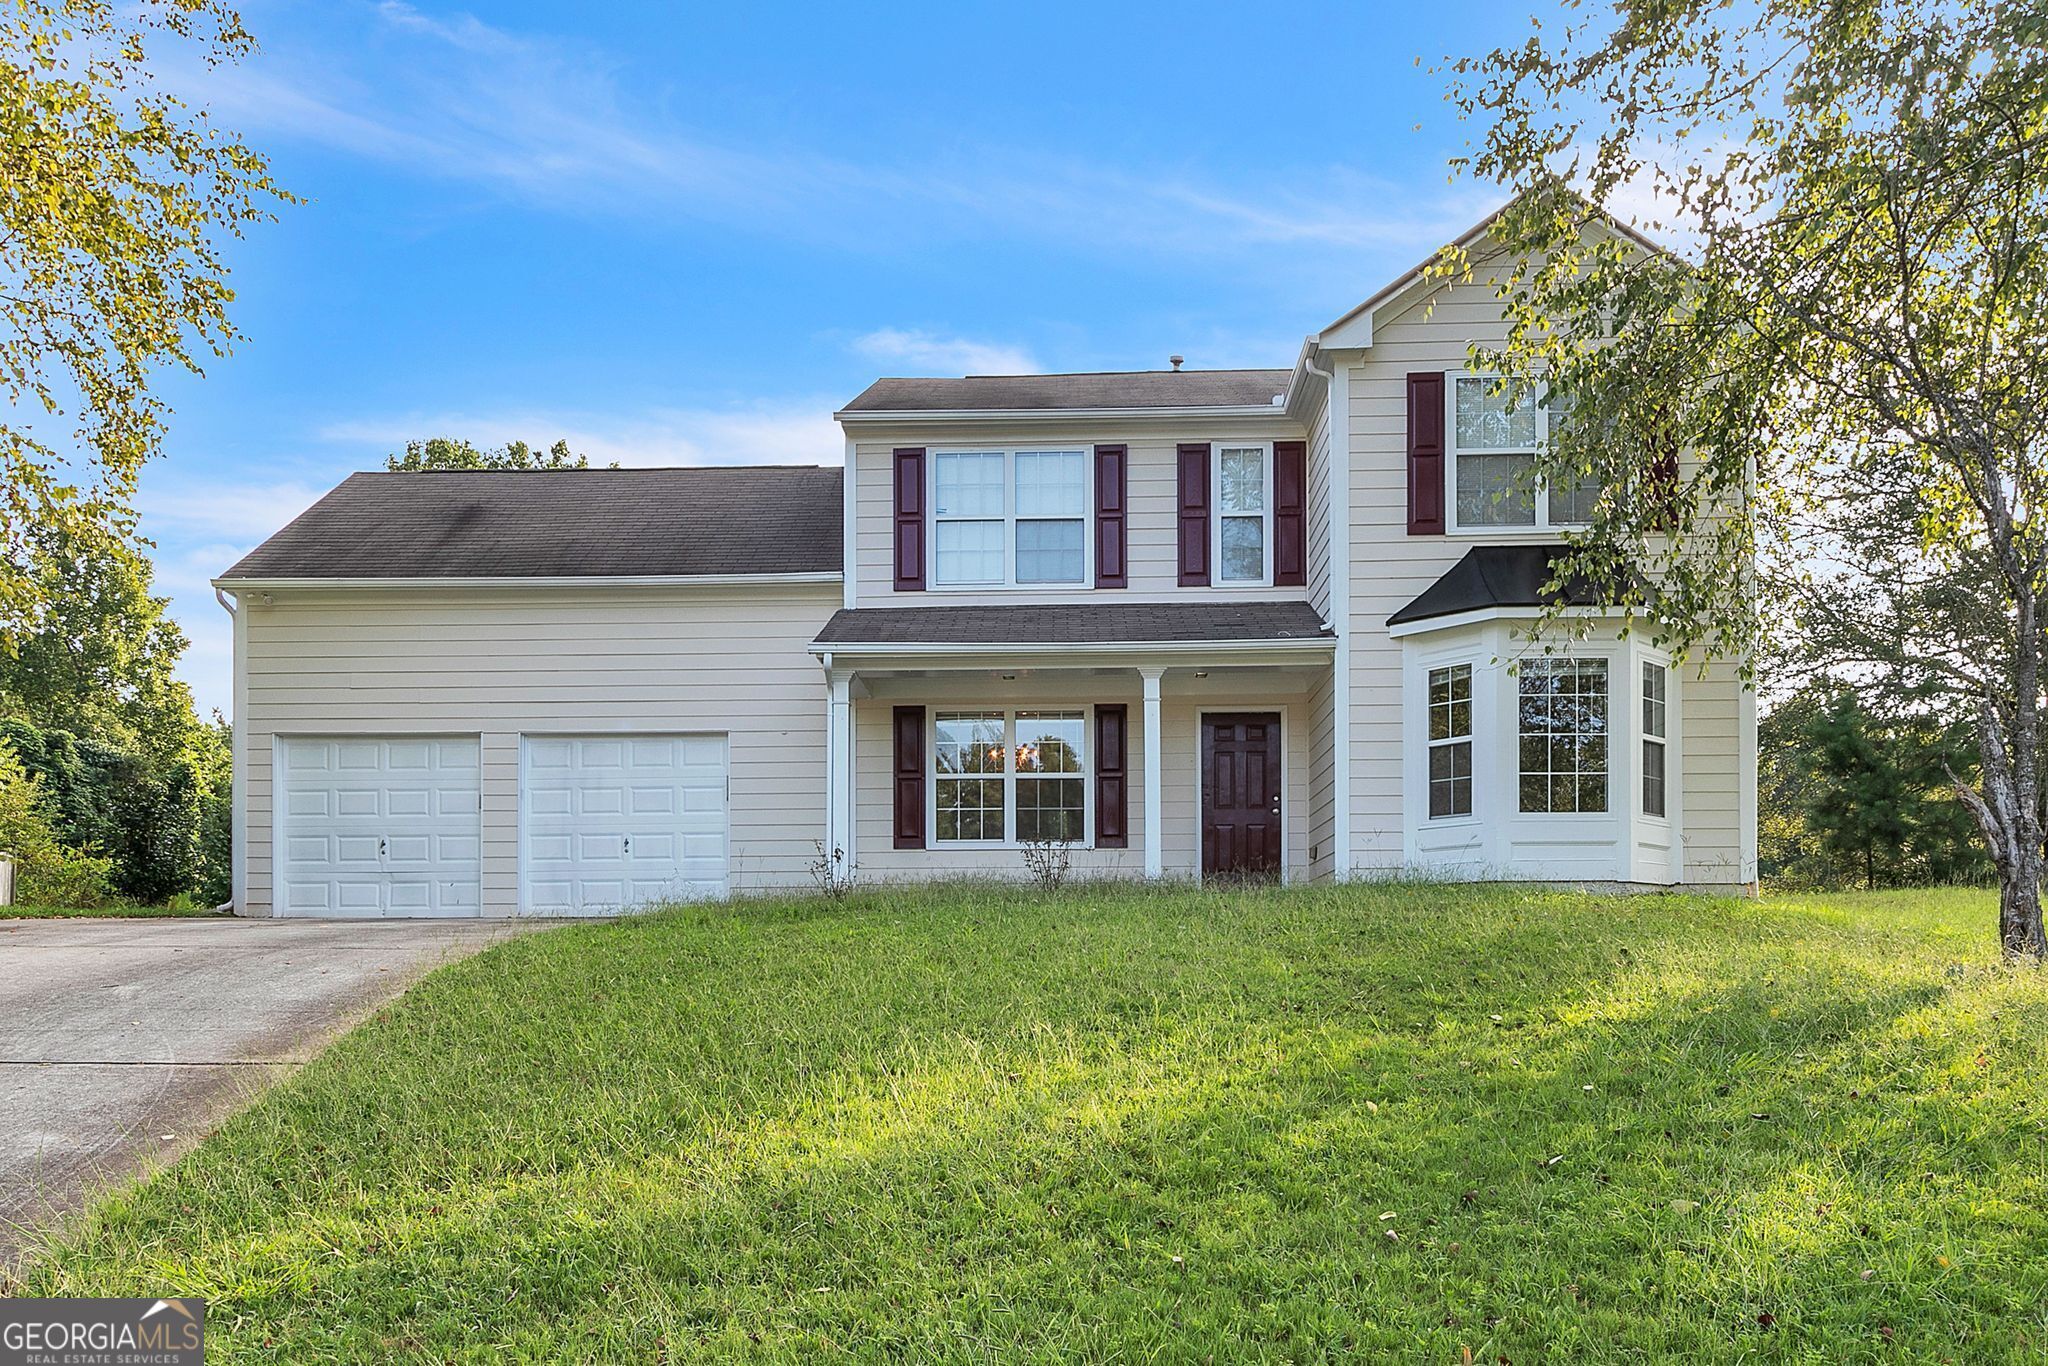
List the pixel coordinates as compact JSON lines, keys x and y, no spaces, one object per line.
{"x":1152,"y":758}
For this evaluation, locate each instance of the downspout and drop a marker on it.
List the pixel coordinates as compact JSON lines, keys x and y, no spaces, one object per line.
{"x":238,"y":765}
{"x":1337,"y":533}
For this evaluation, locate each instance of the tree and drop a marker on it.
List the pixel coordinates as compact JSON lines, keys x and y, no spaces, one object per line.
{"x":446,"y":453}
{"x":113,"y":200}
{"x":1851,"y":351}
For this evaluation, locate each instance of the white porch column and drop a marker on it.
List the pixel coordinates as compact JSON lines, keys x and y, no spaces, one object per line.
{"x":1155,"y":863}
{"x":839,"y":768}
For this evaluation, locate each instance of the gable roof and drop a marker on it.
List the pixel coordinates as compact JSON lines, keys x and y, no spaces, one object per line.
{"x":1497,"y":576}
{"x":469,"y":524}
{"x":1049,"y":624}
{"x":1110,"y":389}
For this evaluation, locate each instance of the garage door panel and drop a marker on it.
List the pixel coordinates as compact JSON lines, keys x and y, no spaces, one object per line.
{"x":379,"y":826}
{"x":604,"y":820}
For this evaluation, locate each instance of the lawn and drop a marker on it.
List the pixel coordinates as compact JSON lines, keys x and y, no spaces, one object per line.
{"x":100,"y":912}
{"x":1404,"y":1121}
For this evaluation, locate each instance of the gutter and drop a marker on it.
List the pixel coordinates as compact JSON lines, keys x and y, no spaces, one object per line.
{"x":885,"y":416}
{"x":535,"y":581}
{"x":1306,"y":644}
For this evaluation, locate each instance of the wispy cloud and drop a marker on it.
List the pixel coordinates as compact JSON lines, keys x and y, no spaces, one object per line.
{"x":937,"y":354}
{"x":779,"y":435}
{"x":549,"y":121}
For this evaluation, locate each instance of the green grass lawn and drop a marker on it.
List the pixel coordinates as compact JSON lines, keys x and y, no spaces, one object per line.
{"x":99,"y":912}
{"x":1403,"y":1121}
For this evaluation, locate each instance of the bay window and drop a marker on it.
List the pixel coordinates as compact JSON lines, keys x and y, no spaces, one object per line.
{"x":1450,"y":741}
{"x":1562,"y":728}
{"x":1495,"y":436}
{"x":1001,"y":777}
{"x":1002,"y":518}
{"x":1656,"y":706}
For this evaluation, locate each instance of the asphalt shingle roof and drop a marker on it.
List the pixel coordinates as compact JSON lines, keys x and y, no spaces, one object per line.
{"x":1137,"y":623}
{"x":1112,"y":389}
{"x":1496,"y":576}
{"x":759,"y":519}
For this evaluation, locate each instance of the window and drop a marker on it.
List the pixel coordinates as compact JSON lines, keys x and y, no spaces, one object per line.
{"x":1655,"y":709}
{"x":988,"y":765}
{"x":1243,"y":513}
{"x":1450,"y":741}
{"x":1563,"y":732}
{"x":1009,"y":517}
{"x":1495,"y":436}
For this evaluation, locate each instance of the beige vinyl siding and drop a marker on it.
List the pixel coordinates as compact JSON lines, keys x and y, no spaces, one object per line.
{"x":1390,"y":567}
{"x":874,"y":769}
{"x":499,"y":663}
{"x":1151,"y":521}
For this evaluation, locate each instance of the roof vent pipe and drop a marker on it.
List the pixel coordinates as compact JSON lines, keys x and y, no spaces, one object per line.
{"x":1176,"y":361}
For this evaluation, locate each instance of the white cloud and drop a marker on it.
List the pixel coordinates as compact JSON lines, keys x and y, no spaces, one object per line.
{"x":930,"y":352}
{"x":777,"y":435}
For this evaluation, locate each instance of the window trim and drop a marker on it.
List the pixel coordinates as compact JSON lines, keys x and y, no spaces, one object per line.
{"x":1217,"y":514}
{"x":1010,"y":519}
{"x":1540,"y":490}
{"x":1470,"y":739}
{"x":1009,"y":774}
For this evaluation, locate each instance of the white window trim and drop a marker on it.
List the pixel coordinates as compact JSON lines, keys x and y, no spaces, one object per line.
{"x":1542,"y":527}
{"x":1469,"y":738}
{"x":1010,"y":519}
{"x":1009,"y":776}
{"x":1217,"y":514}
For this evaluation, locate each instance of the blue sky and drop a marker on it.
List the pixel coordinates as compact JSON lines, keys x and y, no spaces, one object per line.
{"x":684,"y":234}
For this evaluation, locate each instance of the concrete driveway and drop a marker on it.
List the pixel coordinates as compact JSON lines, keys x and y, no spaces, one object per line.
{"x":122,"y":1042}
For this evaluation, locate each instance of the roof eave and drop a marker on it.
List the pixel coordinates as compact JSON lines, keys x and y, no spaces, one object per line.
{"x":957,"y":649}
{"x":884,"y":416}
{"x":246,"y":582}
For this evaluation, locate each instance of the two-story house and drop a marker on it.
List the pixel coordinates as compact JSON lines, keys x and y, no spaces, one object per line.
{"x":1194,"y":623}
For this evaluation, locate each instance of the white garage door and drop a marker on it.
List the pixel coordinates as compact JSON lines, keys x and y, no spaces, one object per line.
{"x":377,"y":826}
{"x":612,"y":822}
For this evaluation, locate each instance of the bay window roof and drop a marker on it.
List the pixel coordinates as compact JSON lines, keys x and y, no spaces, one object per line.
{"x":1497,"y":576}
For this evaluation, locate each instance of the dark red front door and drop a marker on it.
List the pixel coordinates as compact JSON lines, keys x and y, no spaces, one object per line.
{"x":1241,"y":794}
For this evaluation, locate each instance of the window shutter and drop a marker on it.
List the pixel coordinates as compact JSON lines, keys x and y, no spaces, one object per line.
{"x":1194,"y":514}
{"x":1426,"y":453}
{"x":1290,"y":514}
{"x":910,"y":777}
{"x":1663,"y":484}
{"x":1112,"y":768}
{"x":910,"y":532}
{"x":1111,"y":491}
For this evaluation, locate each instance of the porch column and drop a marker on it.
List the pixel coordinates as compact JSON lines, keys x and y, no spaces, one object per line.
{"x":839,"y":768}
{"x":1155,"y":863}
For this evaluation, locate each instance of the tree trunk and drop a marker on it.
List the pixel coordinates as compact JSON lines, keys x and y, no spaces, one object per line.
{"x":2019,"y":911}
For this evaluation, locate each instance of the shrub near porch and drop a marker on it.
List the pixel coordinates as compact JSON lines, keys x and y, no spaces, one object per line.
{"x":965,"y":1122}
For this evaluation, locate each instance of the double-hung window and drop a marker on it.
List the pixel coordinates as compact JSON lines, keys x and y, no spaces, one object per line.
{"x":1243,"y":479}
{"x":1002,"y":777}
{"x":1563,"y":729}
{"x":1002,"y":518}
{"x":1656,"y":720}
{"x":1450,"y":741}
{"x":1496,"y":433}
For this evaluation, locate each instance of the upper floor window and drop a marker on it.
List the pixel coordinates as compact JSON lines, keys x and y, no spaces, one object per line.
{"x":1495,"y":435}
{"x":1009,"y":517}
{"x":1243,"y":480}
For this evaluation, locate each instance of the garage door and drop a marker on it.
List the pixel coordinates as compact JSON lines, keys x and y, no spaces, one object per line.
{"x":612,"y":822}
{"x":378,"y":827}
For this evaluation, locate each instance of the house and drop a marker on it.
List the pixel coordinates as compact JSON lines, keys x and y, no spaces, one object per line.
{"x":1198,"y":623}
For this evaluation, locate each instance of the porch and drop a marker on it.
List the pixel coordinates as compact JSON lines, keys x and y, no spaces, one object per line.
{"x":1188,"y":740}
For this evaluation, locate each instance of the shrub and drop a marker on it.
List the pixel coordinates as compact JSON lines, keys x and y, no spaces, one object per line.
{"x":47,"y":871}
{"x":145,"y":817}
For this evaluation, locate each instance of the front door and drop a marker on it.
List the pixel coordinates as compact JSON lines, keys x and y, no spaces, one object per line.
{"x":1241,"y":794}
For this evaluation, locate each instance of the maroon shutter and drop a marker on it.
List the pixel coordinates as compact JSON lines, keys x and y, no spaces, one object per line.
{"x":1290,"y":514}
{"x":1663,"y":485}
{"x":910,"y":777}
{"x":1194,"y":514}
{"x":1112,"y":734}
{"x":1426,"y":453}
{"x":910,"y":532}
{"x":1111,"y":491}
